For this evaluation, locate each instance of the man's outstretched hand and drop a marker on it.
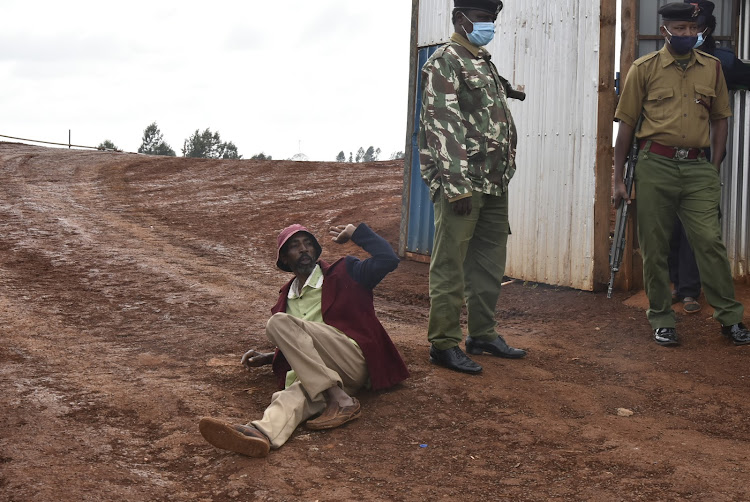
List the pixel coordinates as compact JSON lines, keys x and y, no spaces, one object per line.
{"x":342,"y":233}
{"x":255,"y":359}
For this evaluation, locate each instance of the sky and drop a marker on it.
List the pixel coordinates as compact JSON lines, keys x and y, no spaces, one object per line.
{"x":275,"y":77}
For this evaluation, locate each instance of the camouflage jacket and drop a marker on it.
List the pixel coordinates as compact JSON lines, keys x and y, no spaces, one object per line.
{"x":467,"y":138}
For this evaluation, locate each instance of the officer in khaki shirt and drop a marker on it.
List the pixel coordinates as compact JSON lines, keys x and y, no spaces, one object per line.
{"x":683,"y":99}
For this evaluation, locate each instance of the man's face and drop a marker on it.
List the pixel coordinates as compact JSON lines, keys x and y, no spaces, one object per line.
{"x":680,"y":29}
{"x":300,"y":254}
{"x":474,"y":16}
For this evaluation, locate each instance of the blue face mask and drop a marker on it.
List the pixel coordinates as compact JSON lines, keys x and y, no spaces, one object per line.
{"x":681,"y":45}
{"x":481,"y":34}
{"x":700,"y":40}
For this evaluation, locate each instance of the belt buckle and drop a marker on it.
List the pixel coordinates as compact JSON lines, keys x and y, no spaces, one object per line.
{"x":681,"y":153}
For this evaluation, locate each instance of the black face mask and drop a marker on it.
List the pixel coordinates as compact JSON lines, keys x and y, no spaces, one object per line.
{"x":681,"y":45}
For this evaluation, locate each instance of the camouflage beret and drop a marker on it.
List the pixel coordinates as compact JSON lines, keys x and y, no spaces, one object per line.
{"x":491,"y":6}
{"x":678,"y":11}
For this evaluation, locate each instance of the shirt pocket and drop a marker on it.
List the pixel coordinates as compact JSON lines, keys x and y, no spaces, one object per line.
{"x":659,"y":102}
{"x":704,"y":98}
{"x":474,"y":105}
{"x":476,"y":94}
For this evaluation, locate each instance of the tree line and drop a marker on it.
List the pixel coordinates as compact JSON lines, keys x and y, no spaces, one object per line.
{"x":201,"y":145}
{"x":208,"y":145}
{"x":370,"y":155}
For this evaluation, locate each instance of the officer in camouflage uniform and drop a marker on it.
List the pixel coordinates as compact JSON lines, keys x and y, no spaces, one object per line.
{"x":683,"y":99}
{"x":467,"y":150}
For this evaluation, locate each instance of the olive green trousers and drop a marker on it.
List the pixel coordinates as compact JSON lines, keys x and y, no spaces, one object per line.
{"x":467,"y":263}
{"x":691,"y":190}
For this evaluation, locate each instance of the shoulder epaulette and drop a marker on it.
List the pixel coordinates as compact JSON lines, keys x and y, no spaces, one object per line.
{"x":440,"y":51}
{"x":645,"y":58}
{"x":446,"y":51}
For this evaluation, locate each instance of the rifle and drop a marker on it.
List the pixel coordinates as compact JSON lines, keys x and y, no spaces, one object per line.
{"x":512,"y":93}
{"x":621,"y":222}
{"x":515,"y":94}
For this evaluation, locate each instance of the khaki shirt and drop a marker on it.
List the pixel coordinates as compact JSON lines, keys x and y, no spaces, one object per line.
{"x":668,"y":97}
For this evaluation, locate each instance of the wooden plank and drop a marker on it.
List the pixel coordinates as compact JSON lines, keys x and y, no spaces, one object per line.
{"x":630,"y":275}
{"x":604,"y":153}
{"x":408,"y":153}
{"x":629,"y":34}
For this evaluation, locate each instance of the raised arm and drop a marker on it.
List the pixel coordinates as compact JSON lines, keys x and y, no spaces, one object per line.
{"x":382,"y":259}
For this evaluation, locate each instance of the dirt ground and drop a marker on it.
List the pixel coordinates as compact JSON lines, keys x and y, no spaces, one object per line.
{"x":130,"y":286}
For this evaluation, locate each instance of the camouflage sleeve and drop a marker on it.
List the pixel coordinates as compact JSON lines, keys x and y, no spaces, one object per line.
{"x":442,"y":139}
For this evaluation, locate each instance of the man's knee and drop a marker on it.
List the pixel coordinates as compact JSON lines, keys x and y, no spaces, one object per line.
{"x":277,"y":324}
{"x":706,"y":242}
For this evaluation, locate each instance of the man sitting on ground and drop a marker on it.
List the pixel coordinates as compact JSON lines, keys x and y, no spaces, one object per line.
{"x":329,"y":341}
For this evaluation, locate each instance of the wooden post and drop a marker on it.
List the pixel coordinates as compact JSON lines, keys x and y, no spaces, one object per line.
{"x":604,"y":154}
{"x":408,"y":152}
{"x":630,"y":275}
{"x":629,"y":34}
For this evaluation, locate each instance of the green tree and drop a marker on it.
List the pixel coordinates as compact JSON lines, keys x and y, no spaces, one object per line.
{"x":229,"y":151}
{"x":261,"y":156}
{"x":107,"y":145}
{"x":153,"y":142}
{"x":208,"y":145}
{"x":351,"y":159}
{"x":397,"y":155}
{"x":371,"y":155}
{"x":360,"y":155}
{"x":341,"y":157}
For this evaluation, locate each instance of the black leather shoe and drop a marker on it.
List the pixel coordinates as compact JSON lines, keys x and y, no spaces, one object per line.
{"x":666,"y":337}
{"x":738,"y":333}
{"x":454,"y":359}
{"x":496,"y":347}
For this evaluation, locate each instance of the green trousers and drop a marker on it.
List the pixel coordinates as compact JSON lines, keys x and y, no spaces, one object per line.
{"x":467,"y":263}
{"x":691,"y":190}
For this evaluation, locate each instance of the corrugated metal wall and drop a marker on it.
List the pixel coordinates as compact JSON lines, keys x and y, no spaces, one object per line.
{"x":551,"y":51}
{"x":735,"y":171}
{"x":435,"y":25}
{"x":743,"y":44}
{"x":421,"y":213}
{"x":735,"y":177}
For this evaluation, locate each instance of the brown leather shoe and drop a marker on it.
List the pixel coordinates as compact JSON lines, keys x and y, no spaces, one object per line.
{"x":241,"y":439}
{"x":690,"y":305}
{"x":335,"y":417}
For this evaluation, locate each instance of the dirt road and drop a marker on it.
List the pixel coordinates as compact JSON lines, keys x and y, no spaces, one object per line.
{"x":130,"y":286}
